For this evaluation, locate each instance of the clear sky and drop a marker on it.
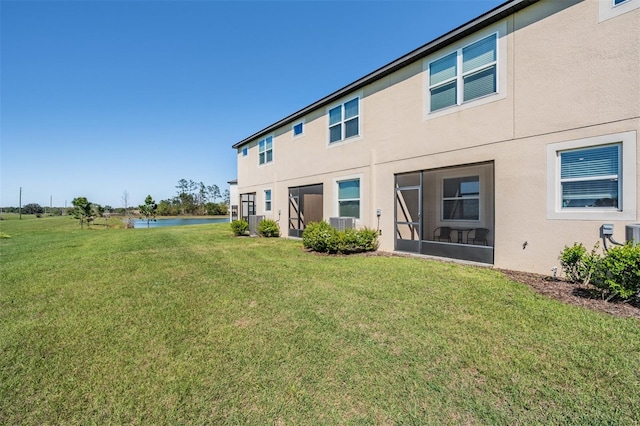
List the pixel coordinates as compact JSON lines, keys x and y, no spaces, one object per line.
{"x":102,"y":97}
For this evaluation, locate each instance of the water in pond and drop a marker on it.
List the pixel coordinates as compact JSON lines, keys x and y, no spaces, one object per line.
{"x":142,"y":223}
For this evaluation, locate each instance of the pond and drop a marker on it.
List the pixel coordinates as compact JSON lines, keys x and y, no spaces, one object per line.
{"x":142,"y":223}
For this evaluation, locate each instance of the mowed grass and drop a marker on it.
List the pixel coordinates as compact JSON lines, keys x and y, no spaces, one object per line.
{"x":191,"y":325}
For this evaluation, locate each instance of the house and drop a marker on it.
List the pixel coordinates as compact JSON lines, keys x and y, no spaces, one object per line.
{"x":499,"y":142}
{"x":233,"y":199}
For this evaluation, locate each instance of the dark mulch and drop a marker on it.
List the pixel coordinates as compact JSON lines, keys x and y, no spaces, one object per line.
{"x":576,"y":294}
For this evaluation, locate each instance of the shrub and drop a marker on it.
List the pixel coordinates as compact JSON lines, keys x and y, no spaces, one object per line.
{"x":322,"y":238}
{"x":316,"y":235}
{"x":577,"y":264}
{"x":618,"y":271}
{"x":239,"y":227}
{"x":268,"y":228}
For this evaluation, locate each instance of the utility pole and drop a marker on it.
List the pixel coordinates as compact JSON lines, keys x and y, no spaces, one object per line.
{"x":20,"y":206}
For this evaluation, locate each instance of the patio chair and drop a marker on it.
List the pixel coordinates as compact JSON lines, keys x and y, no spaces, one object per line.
{"x":479,"y":236}
{"x":442,"y":233}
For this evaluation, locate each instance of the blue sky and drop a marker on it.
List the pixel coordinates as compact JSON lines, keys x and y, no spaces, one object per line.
{"x":103,"y":97}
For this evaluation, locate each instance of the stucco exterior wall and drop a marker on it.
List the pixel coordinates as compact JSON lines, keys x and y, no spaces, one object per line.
{"x":563,"y":75}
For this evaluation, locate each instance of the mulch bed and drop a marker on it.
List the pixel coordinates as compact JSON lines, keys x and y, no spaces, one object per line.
{"x":588,"y":297}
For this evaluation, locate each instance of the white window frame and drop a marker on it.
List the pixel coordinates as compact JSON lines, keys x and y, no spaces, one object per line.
{"x":500,"y":30}
{"x":627,"y":195}
{"x":265,"y":150}
{"x":293,"y":129}
{"x":607,"y":9}
{"x":268,"y":202}
{"x":336,"y":182}
{"x":343,"y":120}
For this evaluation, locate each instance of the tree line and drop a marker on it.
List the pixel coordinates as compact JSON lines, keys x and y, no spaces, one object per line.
{"x":192,"y":198}
{"x":195,"y":198}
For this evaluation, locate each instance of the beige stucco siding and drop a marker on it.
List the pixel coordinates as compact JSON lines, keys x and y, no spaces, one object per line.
{"x":562,"y":76}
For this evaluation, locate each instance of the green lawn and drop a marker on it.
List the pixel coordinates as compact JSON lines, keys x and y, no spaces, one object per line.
{"x":191,"y":325}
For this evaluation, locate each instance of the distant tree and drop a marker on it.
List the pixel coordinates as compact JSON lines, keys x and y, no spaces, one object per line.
{"x":202,"y":197}
{"x":214,"y":192}
{"x":125,"y":200}
{"x":101,"y":212}
{"x":226,"y":197}
{"x":82,"y":210}
{"x":149,"y":209}
{"x":32,"y":208}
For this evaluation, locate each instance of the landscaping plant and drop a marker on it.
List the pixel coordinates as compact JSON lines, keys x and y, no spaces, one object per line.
{"x":240,"y":227}
{"x":268,"y":228}
{"x":321,"y":237}
{"x":617,"y":271}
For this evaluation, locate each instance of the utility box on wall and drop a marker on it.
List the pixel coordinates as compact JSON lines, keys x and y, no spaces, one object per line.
{"x":632,"y":233}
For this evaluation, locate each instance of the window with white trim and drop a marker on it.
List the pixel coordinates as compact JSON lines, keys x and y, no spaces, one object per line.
{"x":265,"y":150}
{"x":298,"y":129}
{"x":349,"y":198}
{"x":344,"y":121}
{"x":608,"y":9}
{"x":590,"y":177}
{"x":593,"y":178}
{"x":468,"y":73}
{"x":267,"y":200}
{"x":461,"y":198}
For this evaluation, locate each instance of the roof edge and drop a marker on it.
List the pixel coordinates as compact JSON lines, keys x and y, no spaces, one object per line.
{"x":499,"y":12}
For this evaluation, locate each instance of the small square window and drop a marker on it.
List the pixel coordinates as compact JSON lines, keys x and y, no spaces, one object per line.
{"x":245,"y":151}
{"x":298,"y":129}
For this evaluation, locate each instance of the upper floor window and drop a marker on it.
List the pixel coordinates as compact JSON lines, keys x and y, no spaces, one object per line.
{"x":590,"y":178}
{"x":265,"y":150}
{"x":298,"y":129}
{"x":245,"y":151}
{"x":608,"y":9}
{"x":463,"y":75}
{"x":344,"y":121}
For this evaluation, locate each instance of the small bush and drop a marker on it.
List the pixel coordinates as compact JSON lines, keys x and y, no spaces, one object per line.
{"x":239,"y":227}
{"x":577,"y":264}
{"x":316,"y":235}
{"x":268,"y":228}
{"x":322,"y":238}
{"x":618,"y":271}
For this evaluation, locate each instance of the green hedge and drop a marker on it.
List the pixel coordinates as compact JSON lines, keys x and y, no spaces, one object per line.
{"x":268,"y":228}
{"x":240,"y":227}
{"x":320,"y":237}
{"x":617,"y":271}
